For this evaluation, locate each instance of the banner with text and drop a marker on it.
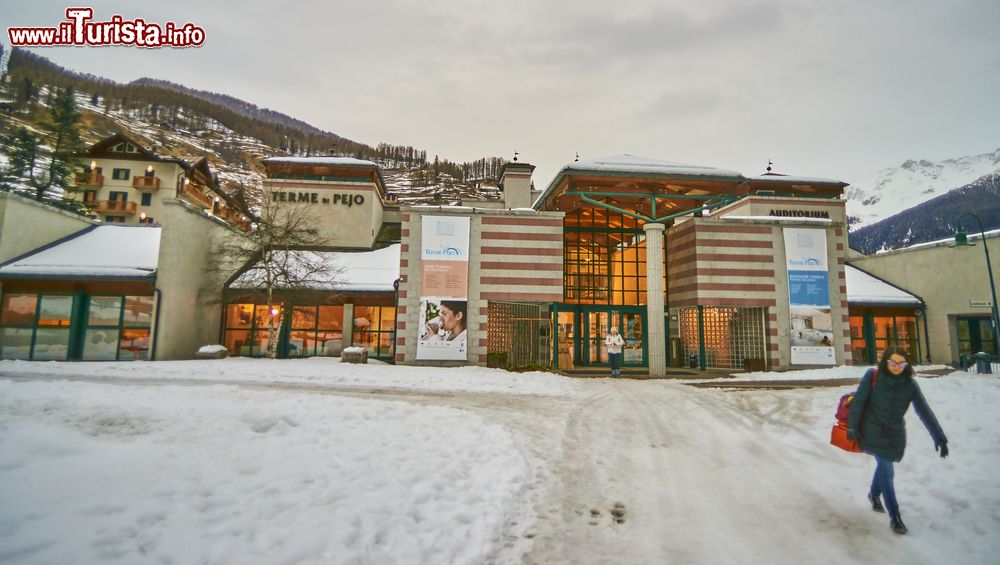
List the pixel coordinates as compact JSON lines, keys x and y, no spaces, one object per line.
{"x":809,"y":297}
{"x":444,"y":284}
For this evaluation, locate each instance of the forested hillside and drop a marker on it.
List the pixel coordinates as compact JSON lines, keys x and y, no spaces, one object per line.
{"x":235,"y":134}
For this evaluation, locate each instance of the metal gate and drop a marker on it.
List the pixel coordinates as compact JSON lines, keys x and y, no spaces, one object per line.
{"x":728,"y":337}
{"x":518,"y":335}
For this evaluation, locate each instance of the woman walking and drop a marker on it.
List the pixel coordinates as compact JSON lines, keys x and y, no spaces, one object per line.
{"x":876,"y":422}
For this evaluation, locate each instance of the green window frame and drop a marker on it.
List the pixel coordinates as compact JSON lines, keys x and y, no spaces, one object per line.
{"x":68,"y":331}
{"x":116,"y":336}
{"x":604,"y":259}
{"x":374,"y":328}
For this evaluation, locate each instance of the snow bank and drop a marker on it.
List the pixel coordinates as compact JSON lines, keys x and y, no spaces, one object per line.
{"x":320,"y":371}
{"x":92,"y":473}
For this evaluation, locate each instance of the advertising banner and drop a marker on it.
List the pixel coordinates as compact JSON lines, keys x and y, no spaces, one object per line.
{"x":809,"y":297}
{"x":444,"y":284}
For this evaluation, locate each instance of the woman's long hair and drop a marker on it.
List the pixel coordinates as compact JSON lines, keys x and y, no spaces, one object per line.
{"x":883,"y":364}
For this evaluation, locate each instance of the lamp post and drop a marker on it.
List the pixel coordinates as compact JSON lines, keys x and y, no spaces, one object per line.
{"x":962,"y":239}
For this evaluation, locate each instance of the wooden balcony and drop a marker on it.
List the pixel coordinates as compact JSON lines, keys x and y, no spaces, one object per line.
{"x":115,"y":207}
{"x":233,"y":217}
{"x":89,"y":180}
{"x":195,"y":196}
{"x":146,"y":183}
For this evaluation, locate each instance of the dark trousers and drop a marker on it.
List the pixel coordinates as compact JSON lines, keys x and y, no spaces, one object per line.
{"x":882,"y":484}
{"x":616,"y":361}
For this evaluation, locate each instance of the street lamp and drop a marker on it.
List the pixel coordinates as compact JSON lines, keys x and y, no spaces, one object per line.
{"x":962,"y":239}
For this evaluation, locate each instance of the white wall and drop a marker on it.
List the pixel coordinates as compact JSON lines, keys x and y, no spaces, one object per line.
{"x":27,"y":224}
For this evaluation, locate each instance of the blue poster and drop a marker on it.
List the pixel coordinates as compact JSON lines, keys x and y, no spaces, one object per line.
{"x":809,"y":288}
{"x":810,"y":316}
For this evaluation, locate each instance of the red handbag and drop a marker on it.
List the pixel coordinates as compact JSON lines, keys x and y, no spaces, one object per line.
{"x":838,"y":437}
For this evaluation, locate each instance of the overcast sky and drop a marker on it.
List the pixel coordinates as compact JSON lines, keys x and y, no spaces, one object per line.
{"x":824,"y":88}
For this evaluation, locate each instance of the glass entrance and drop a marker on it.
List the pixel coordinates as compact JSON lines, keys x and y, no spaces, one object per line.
{"x":581,"y":332}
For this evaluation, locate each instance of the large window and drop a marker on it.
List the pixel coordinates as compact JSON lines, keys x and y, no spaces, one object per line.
{"x":374,"y":329}
{"x":859,"y":343}
{"x":247,"y":328}
{"x":975,"y":334}
{"x":118,"y":328}
{"x":18,"y":315}
{"x":873,"y":332}
{"x":311,"y":330}
{"x":604,"y":258}
{"x":316,"y":330}
{"x":41,"y":327}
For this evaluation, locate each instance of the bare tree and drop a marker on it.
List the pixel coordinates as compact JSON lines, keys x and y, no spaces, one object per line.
{"x":279,"y":254}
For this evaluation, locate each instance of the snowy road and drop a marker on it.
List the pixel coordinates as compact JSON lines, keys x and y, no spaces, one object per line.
{"x":661,"y":472}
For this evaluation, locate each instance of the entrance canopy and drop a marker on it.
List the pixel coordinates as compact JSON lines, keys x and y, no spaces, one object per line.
{"x":655,"y":190}
{"x":641,"y":187}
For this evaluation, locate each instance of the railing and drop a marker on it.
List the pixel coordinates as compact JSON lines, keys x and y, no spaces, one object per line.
{"x":146,"y":183}
{"x":115,"y":206}
{"x":234,"y":217}
{"x":196,"y":196}
{"x":93,"y":179}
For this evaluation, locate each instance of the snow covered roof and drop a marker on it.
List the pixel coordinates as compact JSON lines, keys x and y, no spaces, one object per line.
{"x":368,"y":271}
{"x":103,"y":252}
{"x":334,"y":161}
{"x":634,"y":164}
{"x":941,"y":242}
{"x":792,"y":179}
{"x":863,"y":288}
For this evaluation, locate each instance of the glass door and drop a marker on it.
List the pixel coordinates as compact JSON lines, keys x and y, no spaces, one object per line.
{"x":566,"y":346}
{"x":631,"y":328}
{"x":597,"y":329}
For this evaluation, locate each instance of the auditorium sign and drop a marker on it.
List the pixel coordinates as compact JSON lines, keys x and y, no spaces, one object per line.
{"x":348,"y":200}
{"x":799,"y":214}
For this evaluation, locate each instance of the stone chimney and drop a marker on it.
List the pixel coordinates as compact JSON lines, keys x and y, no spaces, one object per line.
{"x":515,"y":184}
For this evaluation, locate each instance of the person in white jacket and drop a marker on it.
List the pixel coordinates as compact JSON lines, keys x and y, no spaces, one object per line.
{"x":614,"y":343}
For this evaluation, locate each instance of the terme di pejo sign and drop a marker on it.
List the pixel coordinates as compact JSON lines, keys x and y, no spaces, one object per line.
{"x":348,"y":200}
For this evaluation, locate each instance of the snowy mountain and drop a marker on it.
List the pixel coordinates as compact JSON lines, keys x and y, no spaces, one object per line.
{"x":933,"y":220}
{"x":890,"y":191}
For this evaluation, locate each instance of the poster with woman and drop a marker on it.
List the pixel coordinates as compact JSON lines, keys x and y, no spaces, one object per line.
{"x":443,"y":328}
{"x":444,"y":288}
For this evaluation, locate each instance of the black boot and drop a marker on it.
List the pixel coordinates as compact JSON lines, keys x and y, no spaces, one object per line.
{"x":876,"y":503}
{"x":897,"y":525}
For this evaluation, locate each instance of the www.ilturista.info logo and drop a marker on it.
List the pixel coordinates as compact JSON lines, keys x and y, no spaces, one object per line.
{"x":78,"y":30}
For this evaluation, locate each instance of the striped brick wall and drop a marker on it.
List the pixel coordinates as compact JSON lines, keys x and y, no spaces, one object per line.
{"x":514,"y":257}
{"x":520,"y":259}
{"x":714,"y":264}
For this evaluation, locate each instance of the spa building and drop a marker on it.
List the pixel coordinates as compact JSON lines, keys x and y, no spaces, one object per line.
{"x":698,"y":267}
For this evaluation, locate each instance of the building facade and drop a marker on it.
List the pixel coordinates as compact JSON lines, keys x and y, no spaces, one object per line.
{"x":954,"y":286}
{"x":126,"y":183}
{"x":696,"y":266}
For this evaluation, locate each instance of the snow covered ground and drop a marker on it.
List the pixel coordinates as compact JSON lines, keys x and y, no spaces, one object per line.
{"x":313,"y":461}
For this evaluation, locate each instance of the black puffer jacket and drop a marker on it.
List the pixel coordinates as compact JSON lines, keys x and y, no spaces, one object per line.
{"x":877,"y":414}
